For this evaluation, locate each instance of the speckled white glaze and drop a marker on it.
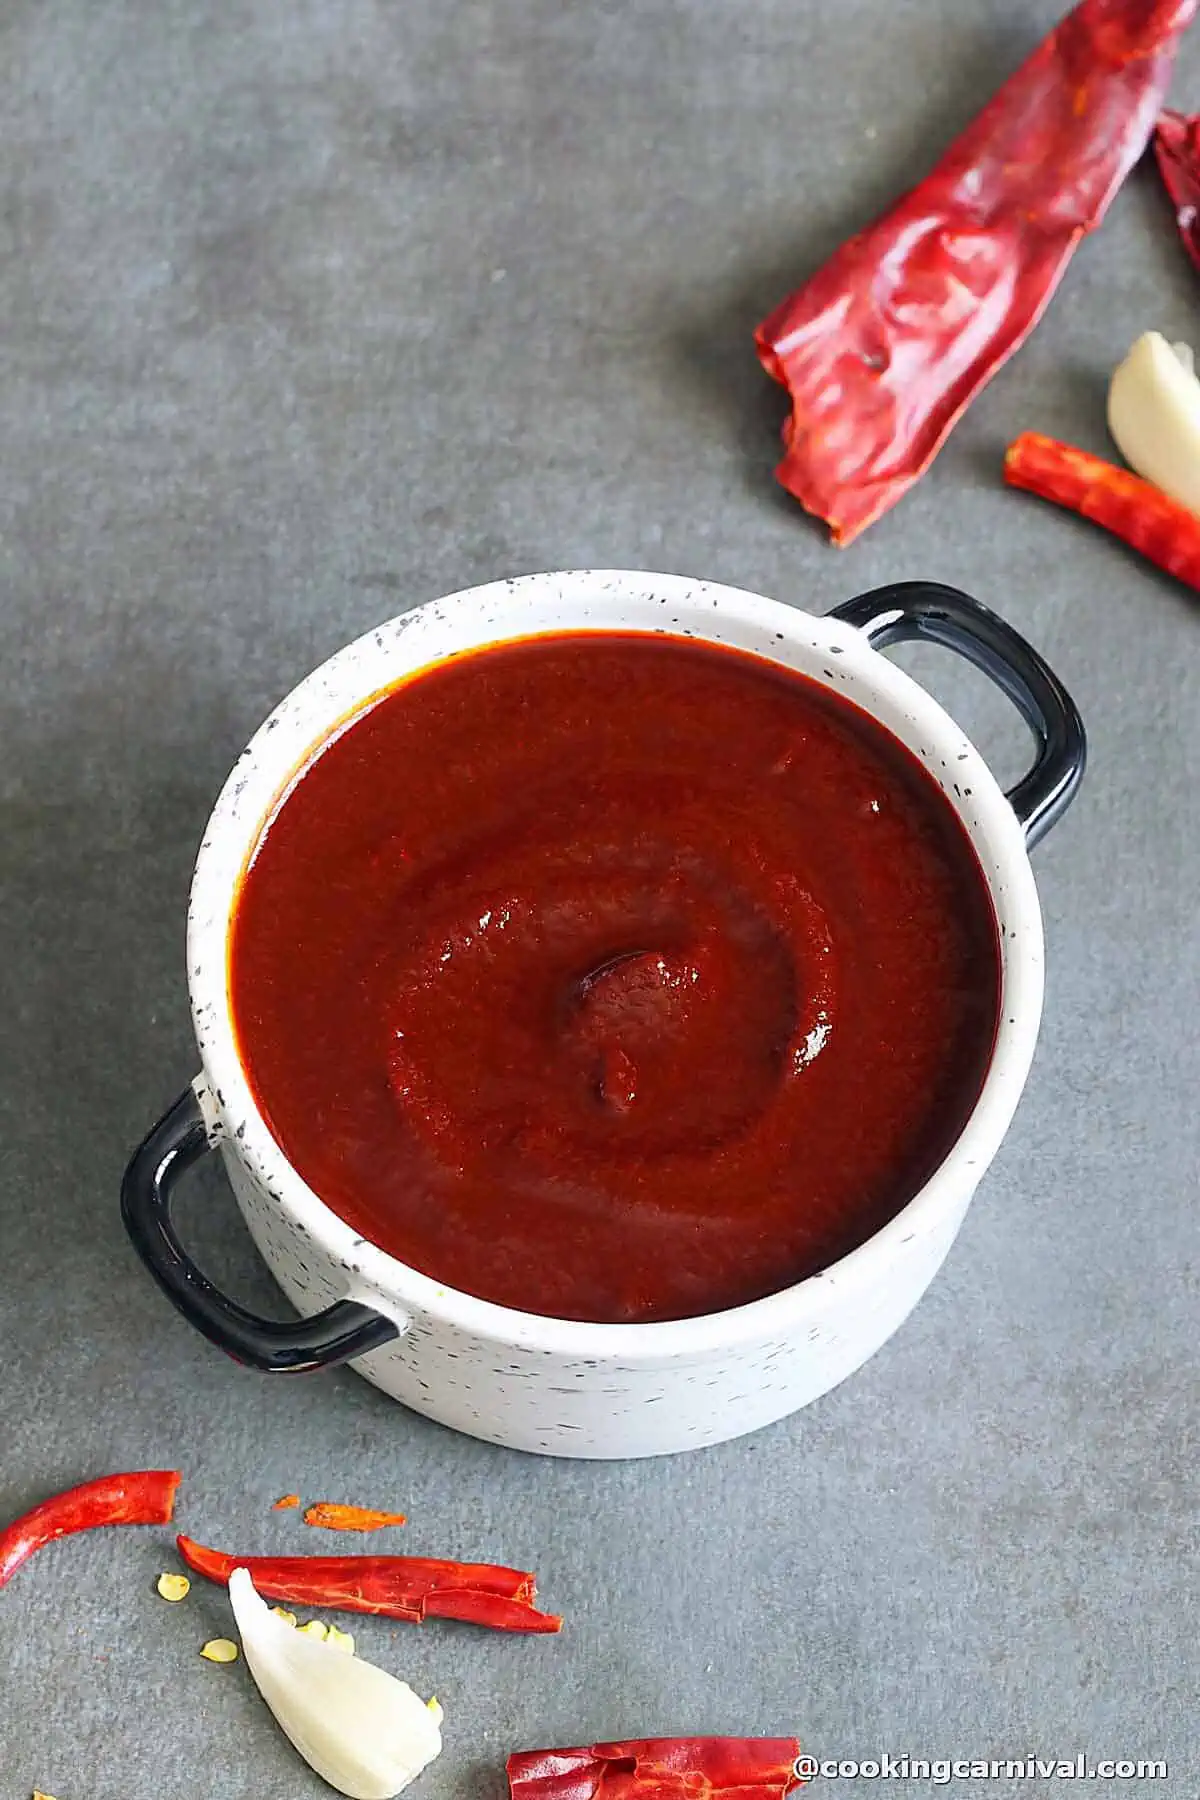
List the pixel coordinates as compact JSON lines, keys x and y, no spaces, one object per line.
{"x":550,"y":1385}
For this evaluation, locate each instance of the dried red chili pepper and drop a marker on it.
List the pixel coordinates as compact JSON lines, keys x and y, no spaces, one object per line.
{"x":330,"y":1516}
{"x":659,"y":1769}
{"x":1177,"y":153}
{"x":1140,"y":514}
{"x":399,"y":1587}
{"x":888,"y":344}
{"x":144,"y":1498}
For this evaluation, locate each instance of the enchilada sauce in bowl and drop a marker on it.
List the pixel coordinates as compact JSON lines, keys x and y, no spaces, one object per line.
{"x":614,"y":977}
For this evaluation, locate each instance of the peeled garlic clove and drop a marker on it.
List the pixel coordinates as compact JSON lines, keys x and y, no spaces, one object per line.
{"x":365,"y":1733}
{"x":1154,"y":416}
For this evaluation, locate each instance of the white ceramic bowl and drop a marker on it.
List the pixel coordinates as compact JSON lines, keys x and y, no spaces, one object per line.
{"x":552,"y":1385}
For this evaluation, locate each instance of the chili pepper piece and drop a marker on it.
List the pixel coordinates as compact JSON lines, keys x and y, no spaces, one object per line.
{"x":146,"y":1497}
{"x":658,"y":1769}
{"x":497,"y":1610}
{"x":286,"y":1502}
{"x":887,"y":345}
{"x":397,"y":1587}
{"x":331,"y":1517}
{"x":1177,"y":153}
{"x":1133,"y":510}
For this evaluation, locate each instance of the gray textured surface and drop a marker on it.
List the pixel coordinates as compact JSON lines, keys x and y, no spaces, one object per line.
{"x":312,"y":311}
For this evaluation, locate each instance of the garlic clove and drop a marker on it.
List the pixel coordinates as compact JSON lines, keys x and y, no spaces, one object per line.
{"x":365,"y":1733}
{"x":1154,"y":416}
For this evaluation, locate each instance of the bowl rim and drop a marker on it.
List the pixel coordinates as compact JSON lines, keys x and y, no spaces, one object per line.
{"x":314,"y":711}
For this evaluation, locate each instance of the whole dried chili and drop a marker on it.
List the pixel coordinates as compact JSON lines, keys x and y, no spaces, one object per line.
{"x":1135,"y":511}
{"x":331,"y":1517}
{"x":659,"y":1769}
{"x":399,"y":1587}
{"x":885,"y":347}
{"x":144,"y":1498}
{"x":1177,"y":153}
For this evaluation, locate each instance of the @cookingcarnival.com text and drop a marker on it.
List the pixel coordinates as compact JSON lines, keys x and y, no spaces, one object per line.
{"x":942,"y":1770}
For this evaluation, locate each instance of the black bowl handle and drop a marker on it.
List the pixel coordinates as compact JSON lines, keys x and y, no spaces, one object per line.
{"x":175,"y":1145}
{"x":946,"y":616}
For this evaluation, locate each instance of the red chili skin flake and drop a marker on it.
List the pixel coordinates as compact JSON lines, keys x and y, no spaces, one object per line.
{"x":888,"y":344}
{"x":659,"y":1769}
{"x":331,"y":1517}
{"x":1135,"y":511}
{"x":143,"y":1498}
{"x":1177,"y":153}
{"x":399,"y":1587}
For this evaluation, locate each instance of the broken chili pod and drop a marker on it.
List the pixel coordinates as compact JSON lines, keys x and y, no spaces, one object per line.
{"x":330,"y":1515}
{"x":1177,"y":153}
{"x":1141,"y":515}
{"x":397,"y":1587}
{"x":711,"y":1768}
{"x":886,"y":346}
{"x":145,"y":1497}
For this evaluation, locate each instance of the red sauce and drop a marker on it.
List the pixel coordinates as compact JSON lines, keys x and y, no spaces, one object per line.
{"x":615,"y":977}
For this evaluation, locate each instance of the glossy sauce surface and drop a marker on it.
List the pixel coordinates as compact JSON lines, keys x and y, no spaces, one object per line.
{"x":614,"y":977}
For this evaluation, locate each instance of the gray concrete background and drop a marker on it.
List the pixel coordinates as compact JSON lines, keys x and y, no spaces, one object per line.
{"x":311,"y":310}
